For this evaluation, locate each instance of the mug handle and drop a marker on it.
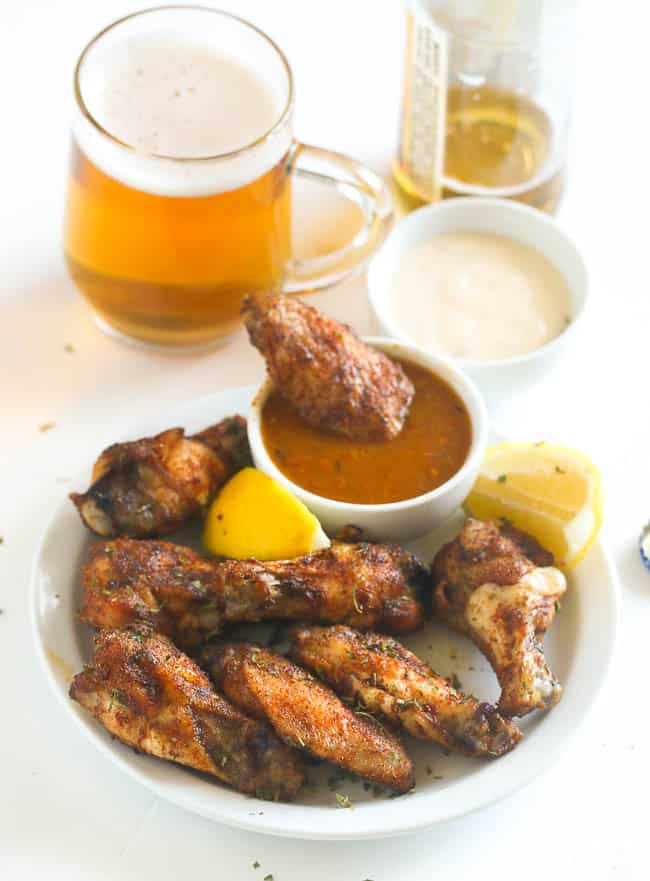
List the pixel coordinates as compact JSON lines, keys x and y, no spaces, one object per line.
{"x":361,"y":186}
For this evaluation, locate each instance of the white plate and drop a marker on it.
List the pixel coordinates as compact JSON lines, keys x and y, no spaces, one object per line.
{"x":579,"y":647}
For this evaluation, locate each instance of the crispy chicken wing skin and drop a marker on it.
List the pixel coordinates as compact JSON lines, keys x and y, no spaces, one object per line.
{"x":388,"y":679}
{"x":151,"y":486}
{"x":190,"y":598}
{"x":306,"y":713}
{"x":149,"y":695}
{"x":498,"y":586}
{"x":332,"y":379}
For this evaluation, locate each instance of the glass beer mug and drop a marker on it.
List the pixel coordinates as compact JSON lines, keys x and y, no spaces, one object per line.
{"x":487,"y":97}
{"x":179,"y":194}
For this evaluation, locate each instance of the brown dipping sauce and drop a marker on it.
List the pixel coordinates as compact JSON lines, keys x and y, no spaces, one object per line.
{"x":431,"y":448}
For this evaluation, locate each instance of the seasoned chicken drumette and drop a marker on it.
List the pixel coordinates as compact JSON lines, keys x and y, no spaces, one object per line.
{"x":190,"y":598}
{"x":306,"y":713}
{"x":499,"y":587}
{"x":332,"y":379}
{"x":387,"y":679}
{"x":149,"y":695}
{"x":151,"y":486}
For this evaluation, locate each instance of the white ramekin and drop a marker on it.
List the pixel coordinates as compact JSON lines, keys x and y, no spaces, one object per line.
{"x":394,"y":521}
{"x":502,"y":378}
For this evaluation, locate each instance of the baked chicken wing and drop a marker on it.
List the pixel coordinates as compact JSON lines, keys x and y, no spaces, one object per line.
{"x":191,"y":598}
{"x":387,"y":679}
{"x":151,"y":486}
{"x":332,"y":379}
{"x":306,"y":713}
{"x":499,"y":587}
{"x":149,"y":695}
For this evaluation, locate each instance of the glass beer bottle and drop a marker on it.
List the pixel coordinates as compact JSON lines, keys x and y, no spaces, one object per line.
{"x":487,"y":96}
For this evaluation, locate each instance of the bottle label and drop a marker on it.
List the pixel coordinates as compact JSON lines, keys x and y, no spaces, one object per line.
{"x":422,"y":139}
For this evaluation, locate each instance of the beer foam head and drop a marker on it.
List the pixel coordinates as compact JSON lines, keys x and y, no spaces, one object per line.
{"x":190,"y":97}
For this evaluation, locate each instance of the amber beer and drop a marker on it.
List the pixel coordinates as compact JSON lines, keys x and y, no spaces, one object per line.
{"x":179,"y":193}
{"x":170,"y":269}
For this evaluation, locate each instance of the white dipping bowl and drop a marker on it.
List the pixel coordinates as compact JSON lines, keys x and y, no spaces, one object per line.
{"x":502,"y":378}
{"x":394,"y":521}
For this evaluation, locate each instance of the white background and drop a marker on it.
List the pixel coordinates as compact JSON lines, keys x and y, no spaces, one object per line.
{"x":65,"y":813}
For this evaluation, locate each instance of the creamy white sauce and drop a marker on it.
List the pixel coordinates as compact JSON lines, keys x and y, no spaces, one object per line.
{"x":478,"y":296}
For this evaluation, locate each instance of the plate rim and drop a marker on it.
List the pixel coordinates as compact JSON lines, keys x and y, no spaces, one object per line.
{"x":384,"y":819}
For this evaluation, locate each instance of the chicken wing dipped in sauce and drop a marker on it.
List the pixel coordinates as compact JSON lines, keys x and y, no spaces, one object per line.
{"x":499,"y":587}
{"x":331,"y":378}
{"x":151,"y":486}
{"x":149,"y":695}
{"x":389,"y":680}
{"x":190,"y":598}
{"x":306,"y":713}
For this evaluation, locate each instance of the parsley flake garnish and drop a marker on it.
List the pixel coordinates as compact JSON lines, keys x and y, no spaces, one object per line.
{"x":116,"y":695}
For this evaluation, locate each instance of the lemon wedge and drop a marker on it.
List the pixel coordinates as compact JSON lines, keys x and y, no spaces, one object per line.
{"x":552,"y":493}
{"x":254,"y":516}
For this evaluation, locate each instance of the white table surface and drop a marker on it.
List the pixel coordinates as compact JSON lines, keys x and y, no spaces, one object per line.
{"x":65,"y":812}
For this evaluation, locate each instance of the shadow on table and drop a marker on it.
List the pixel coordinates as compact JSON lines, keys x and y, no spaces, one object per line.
{"x":631,"y":570}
